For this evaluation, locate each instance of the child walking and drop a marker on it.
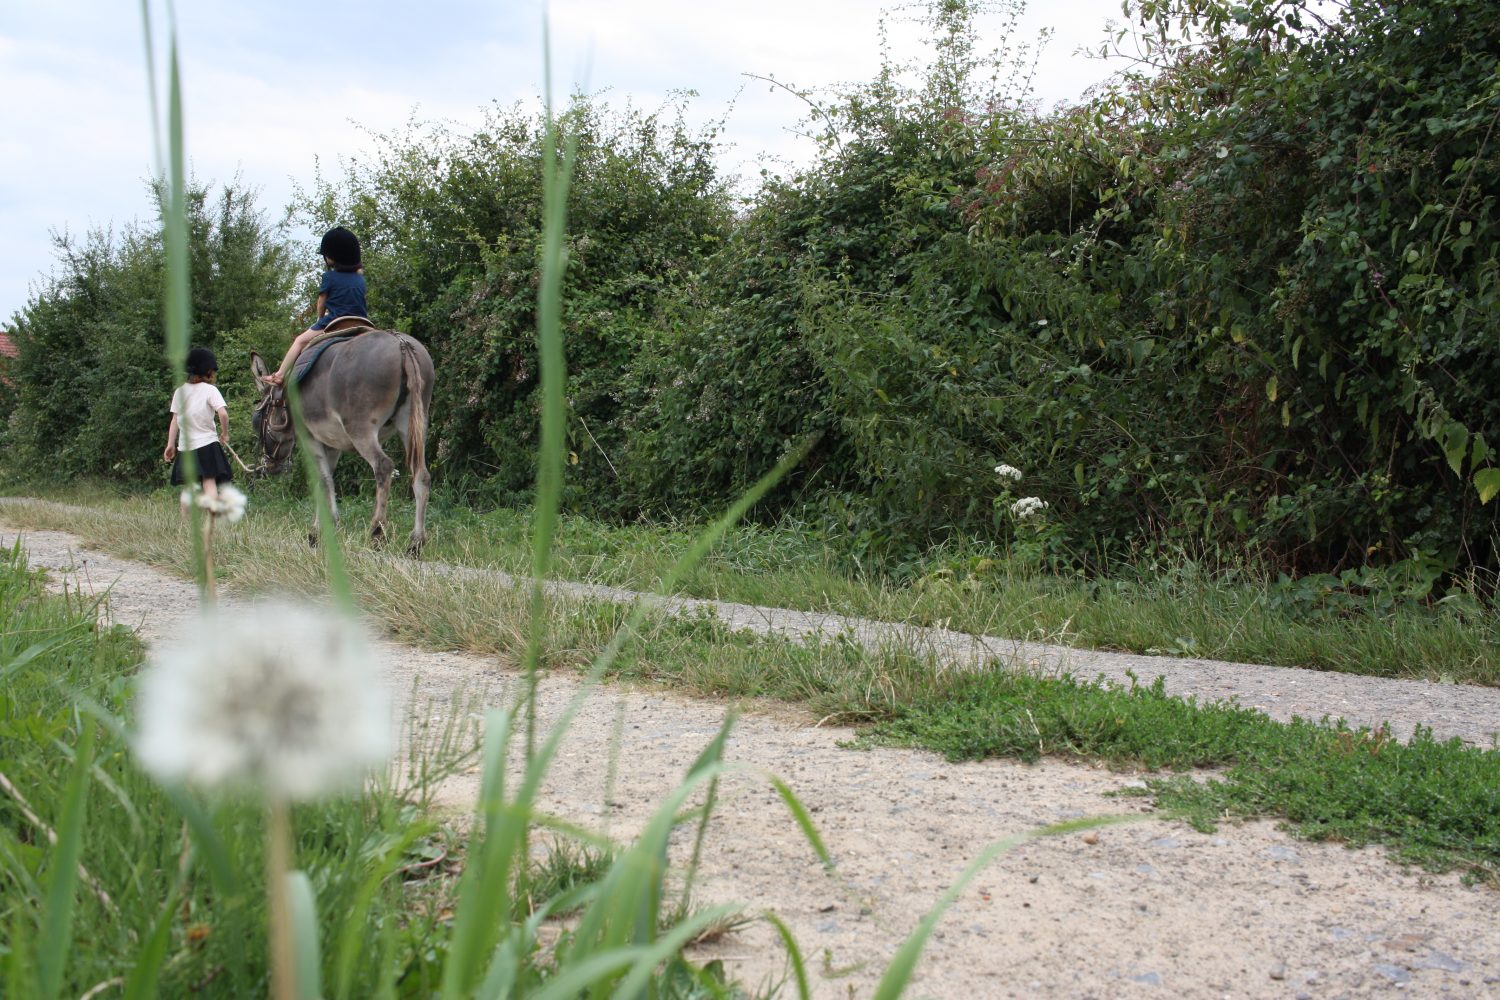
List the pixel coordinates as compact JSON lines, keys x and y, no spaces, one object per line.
{"x":342,"y":293}
{"x":195,"y":404}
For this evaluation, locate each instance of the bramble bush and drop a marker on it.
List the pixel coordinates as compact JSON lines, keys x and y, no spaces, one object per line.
{"x":1239,"y":303}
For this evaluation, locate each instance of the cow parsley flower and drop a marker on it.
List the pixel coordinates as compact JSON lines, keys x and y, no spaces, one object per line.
{"x":1027,"y":507}
{"x":283,"y":699}
{"x":1008,"y":472}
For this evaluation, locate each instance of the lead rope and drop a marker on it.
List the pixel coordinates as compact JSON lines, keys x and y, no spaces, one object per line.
{"x":235,"y":455}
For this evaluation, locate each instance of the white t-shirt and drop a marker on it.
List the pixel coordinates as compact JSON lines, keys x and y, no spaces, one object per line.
{"x":195,"y":404}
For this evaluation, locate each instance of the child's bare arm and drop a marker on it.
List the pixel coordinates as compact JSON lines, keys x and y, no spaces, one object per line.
{"x":170,"y":452}
{"x":223,"y":413}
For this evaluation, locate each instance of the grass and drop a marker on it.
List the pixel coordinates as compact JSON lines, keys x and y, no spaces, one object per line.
{"x":1179,"y":610}
{"x":1430,"y":802}
{"x":60,"y":675}
{"x":1434,"y":803}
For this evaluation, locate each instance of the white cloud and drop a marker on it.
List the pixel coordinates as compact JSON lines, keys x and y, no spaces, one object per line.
{"x":266,"y":97}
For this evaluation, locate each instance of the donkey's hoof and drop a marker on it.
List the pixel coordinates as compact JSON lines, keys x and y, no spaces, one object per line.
{"x":377,"y":536}
{"x":312,"y":539}
{"x":414,"y":547}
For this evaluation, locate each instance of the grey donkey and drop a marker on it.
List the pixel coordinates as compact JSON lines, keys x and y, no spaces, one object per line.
{"x":357,"y":393}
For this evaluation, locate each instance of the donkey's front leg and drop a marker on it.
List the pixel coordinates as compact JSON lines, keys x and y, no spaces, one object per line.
{"x":325,"y":459}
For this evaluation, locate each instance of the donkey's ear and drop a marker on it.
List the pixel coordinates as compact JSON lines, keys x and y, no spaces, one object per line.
{"x":257,"y":366}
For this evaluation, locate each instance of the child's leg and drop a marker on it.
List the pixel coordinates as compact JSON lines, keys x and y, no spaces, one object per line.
{"x":299,"y":342}
{"x":211,"y":489}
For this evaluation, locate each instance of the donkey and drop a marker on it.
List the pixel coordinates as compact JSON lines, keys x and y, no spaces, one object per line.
{"x":356,"y":394}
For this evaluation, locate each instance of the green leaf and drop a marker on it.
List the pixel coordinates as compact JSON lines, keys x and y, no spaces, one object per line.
{"x":1272,"y":387}
{"x":62,"y":877}
{"x":1455,"y":446}
{"x":1487,"y":481}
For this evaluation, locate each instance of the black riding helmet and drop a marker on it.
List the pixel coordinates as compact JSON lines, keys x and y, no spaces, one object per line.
{"x":201,"y":362}
{"x":340,"y":246}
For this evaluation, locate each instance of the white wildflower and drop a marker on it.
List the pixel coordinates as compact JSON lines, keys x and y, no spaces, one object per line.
{"x":285,"y":699}
{"x":1041,"y":322}
{"x":1008,"y":472}
{"x":229,"y":504}
{"x":1027,"y":507}
{"x":1223,"y":152}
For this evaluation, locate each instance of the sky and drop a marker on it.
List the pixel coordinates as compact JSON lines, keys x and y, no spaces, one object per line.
{"x":277,"y":90}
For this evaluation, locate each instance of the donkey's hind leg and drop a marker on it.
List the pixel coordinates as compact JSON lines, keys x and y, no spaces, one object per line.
{"x":421,"y":487}
{"x":368,"y":446}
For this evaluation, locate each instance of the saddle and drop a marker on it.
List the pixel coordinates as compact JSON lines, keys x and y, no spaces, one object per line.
{"x":340,"y":329}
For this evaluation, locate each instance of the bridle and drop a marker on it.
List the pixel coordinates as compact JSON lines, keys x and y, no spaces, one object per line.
{"x":273,"y":427}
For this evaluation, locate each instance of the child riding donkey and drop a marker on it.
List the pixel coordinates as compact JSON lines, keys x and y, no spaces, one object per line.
{"x":341,"y":293}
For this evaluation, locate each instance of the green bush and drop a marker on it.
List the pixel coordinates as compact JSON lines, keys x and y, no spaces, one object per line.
{"x":92,"y":387}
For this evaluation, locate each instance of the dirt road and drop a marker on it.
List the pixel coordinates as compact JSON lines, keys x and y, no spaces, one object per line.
{"x":1146,"y":909}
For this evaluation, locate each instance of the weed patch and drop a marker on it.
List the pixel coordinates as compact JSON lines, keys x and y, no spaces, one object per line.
{"x":1432,"y":802}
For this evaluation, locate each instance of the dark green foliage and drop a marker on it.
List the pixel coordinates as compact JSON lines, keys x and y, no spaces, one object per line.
{"x":1433,"y":802}
{"x":1139,"y":302}
{"x":1242,"y":308}
{"x":92,"y":383}
{"x":453,"y":225}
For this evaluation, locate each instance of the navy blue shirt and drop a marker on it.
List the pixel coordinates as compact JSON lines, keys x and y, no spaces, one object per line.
{"x":346,"y":296}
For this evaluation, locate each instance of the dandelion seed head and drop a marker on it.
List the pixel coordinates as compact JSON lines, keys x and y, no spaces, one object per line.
{"x":229,"y":504}
{"x":283,"y":699}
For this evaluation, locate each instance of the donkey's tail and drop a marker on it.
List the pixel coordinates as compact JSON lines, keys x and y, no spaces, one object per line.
{"x":416,"y":419}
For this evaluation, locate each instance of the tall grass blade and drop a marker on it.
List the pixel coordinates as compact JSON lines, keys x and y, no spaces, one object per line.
{"x":20,"y":974}
{"x":59,"y":903}
{"x":803,"y":818}
{"x":578,"y":976}
{"x":556,"y":181}
{"x":28,"y":654}
{"x":304,"y":913}
{"x":711,"y":756}
{"x":141,"y":983}
{"x":328,"y":536}
{"x":540,"y":759}
{"x":151,"y":98}
{"x":495,"y":850}
{"x":353,"y":924}
{"x":898,"y":973}
{"x":793,"y":955}
{"x":669,"y":944}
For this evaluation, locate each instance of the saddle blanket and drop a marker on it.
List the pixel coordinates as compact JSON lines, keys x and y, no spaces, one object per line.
{"x":312,"y":352}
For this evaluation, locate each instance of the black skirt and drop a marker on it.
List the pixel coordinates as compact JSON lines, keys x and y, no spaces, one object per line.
{"x":212,"y":464}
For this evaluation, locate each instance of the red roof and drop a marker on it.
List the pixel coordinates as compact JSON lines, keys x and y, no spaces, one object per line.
{"x":7,"y":346}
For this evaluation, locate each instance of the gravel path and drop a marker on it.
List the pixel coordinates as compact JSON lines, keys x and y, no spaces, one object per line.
{"x":1471,"y":713}
{"x":1148,"y":909}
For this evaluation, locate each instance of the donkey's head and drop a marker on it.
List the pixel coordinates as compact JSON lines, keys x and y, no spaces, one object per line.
{"x":272,"y":420}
